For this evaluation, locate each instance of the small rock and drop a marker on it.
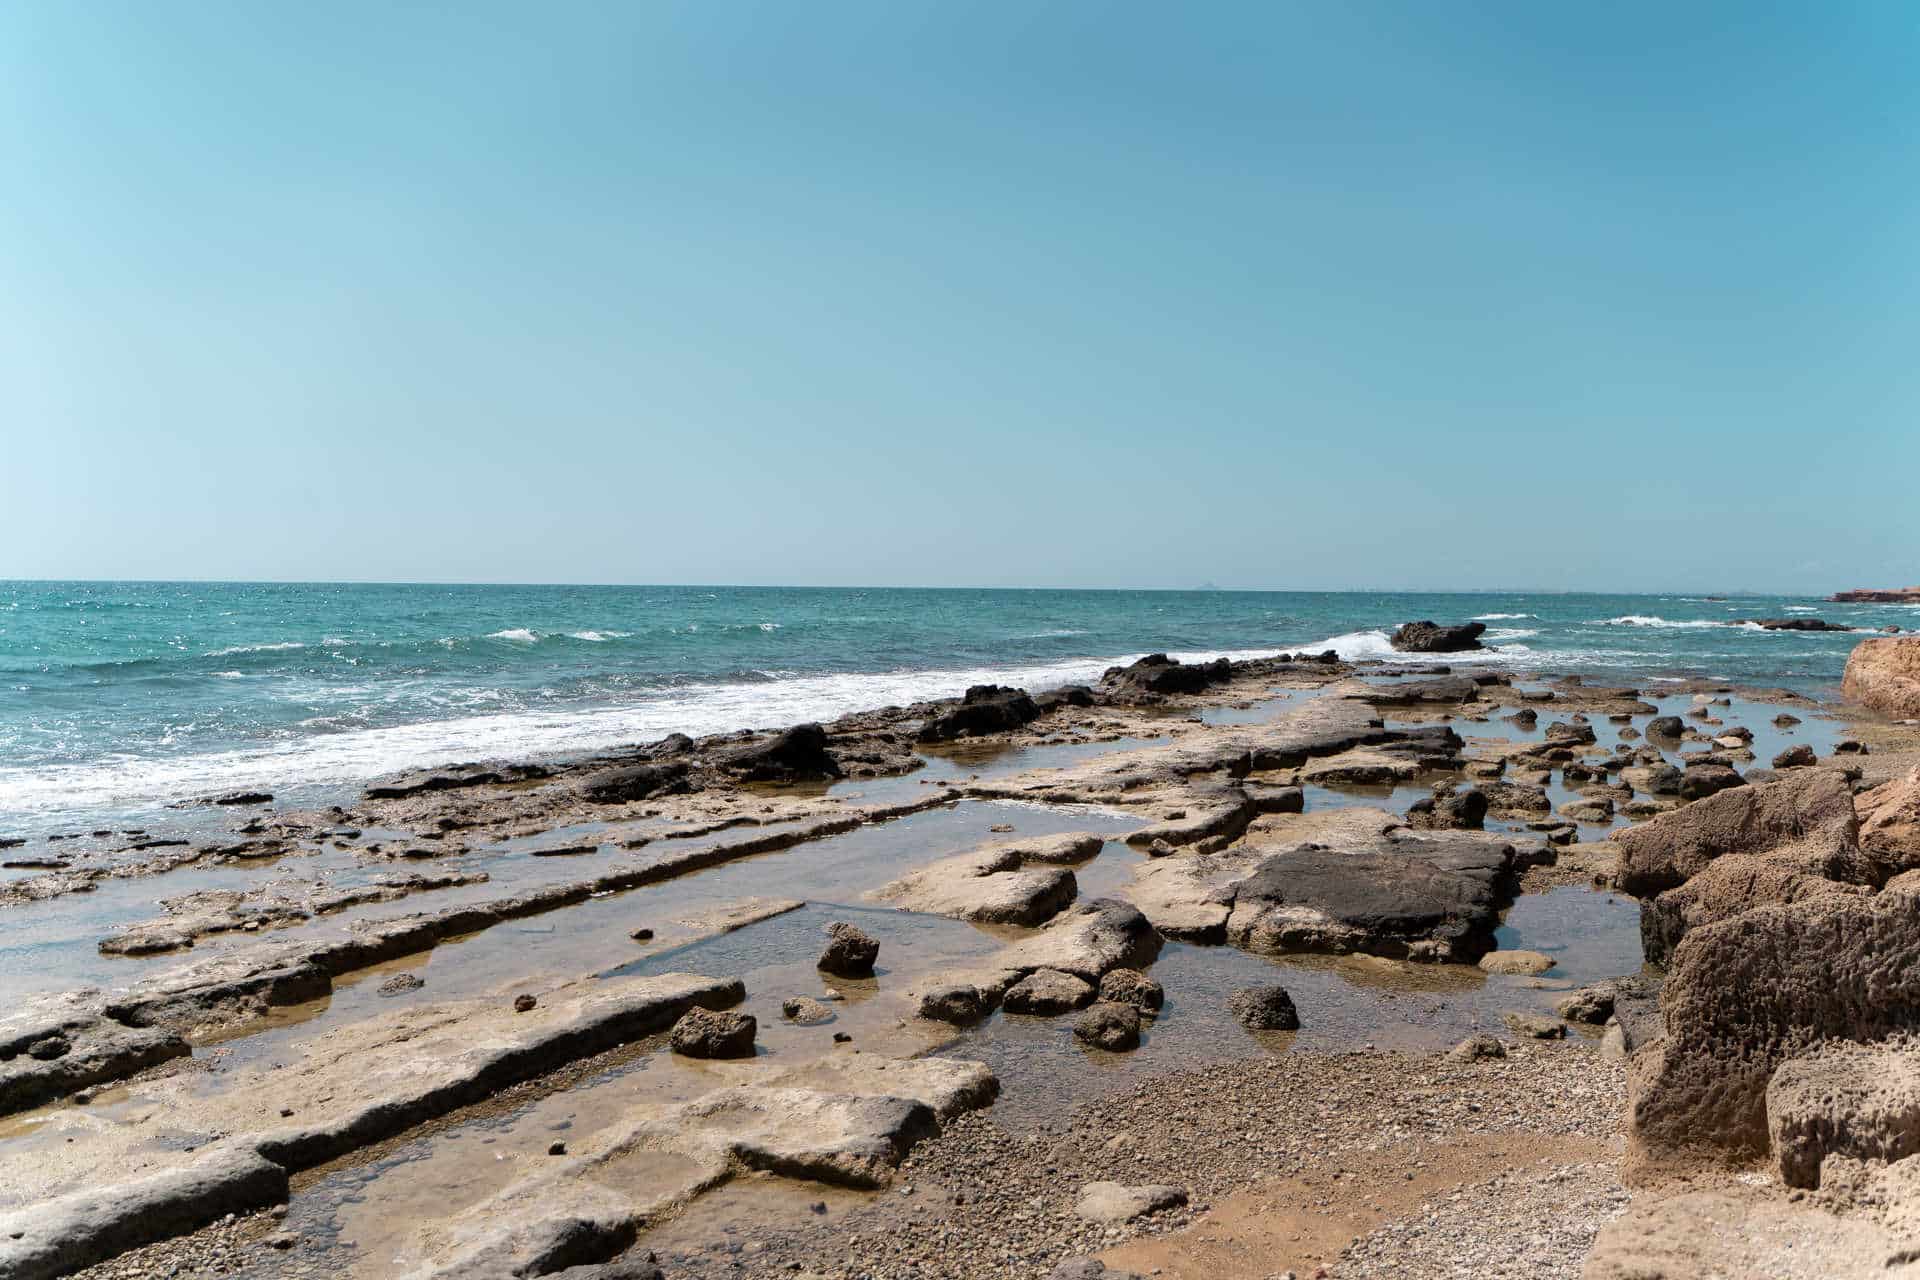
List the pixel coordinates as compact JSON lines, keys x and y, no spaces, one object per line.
{"x":1515,"y":962}
{"x":1795,"y":757}
{"x":524,"y":1003}
{"x":1264,"y":1009}
{"x":1130,"y":986}
{"x":1536,"y":1026}
{"x":1047,"y":992}
{"x":401,"y":983}
{"x":641,"y":935}
{"x":805,"y":1010}
{"x":1113,"y":1027}
{"x":49,"y":1048}
{"x":1116,"y":1202}
{"x":703,"y":1033}
{"x":557,"y":1149}
{"x":1478,"y":1048}
{"x":850,"y":951}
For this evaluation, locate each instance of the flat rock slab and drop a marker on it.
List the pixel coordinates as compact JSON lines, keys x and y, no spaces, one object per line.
{"x":1435,"y":896}
{"x":364,"y":1081}
{"x":56,"y":1237}
{"x":1009,"y":882}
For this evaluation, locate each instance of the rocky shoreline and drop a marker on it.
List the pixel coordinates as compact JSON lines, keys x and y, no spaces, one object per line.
{"x":1032,"y":871}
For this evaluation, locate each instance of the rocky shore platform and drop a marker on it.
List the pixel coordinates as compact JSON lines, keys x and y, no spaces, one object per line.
{"x":1238,"y":969}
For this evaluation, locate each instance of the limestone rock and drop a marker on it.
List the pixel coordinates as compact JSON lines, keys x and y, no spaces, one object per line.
{"x":1046,"y":992}
{"x":1114,"y":1027}
{"x":1885,"y":675}
{"x":850,"y":951}
{"x":1130,"y":986}
{"x":705,"y":1033}
{"x":1516,"y":962}
{"x":1117,"y":1202}
{"x":1855,"y":1100}
{"x":1267,"y":1008}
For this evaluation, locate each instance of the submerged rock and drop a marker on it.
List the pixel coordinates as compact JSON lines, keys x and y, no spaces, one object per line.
{"x":1113,"y":1027}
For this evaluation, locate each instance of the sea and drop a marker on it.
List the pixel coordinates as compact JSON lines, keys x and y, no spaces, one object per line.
{"x":119,"y":698}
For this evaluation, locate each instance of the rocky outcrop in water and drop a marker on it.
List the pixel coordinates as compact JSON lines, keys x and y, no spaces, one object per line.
{"x":1432,"y":637}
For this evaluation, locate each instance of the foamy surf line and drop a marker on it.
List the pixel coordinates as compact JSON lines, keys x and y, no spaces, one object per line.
{"x":132,"y":785}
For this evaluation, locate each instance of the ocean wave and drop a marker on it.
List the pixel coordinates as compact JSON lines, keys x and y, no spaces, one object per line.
{"x":1800,"y":608}
{"x":1503,"y":634}
{"x":351,"y":755}
{"x":599,"y":637}
{"x":519,"y":635}
{"x":255,"y":648}
{"x":1058,"y":633}
{"x":1654,"y":620}
{"x":1501,"y":617}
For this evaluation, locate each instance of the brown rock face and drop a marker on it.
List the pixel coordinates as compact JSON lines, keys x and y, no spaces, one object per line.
{"x":1890,"y":821}
{"x":1811,"y":806}
{"x":1746,"y":994}
{"x":1885,"y":675}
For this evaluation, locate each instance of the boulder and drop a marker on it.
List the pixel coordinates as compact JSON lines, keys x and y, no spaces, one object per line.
{"x":992,"y":884}
{"x":1047,"y":992}
{"x":798,"y":754}
{"x":1456,"y":809}
{"x":1113,"y":1027}
{"x":1736,"y":883}
{"x":1653,"y":779}
{"x":1431,"y":637}
{"x":1434,"y":896}
{"x":1517,"y":797}
{"x":1590,"y":1005}
{"x":1267,"y":1008}
{"x":1701,"y":780}
{"x":1130,"y":986}
{"x":1813,"y":804}
{"x":705,"y":1033}
{"x":1885,"y":676}
{"x":1856,"y":1100}
{"x":1799,"y":756}
{"x":1155,"y":676}
{"x":635,"y":782}
{"x":850,"y":952}
{"x":1890,"y":823}
{"x":1666,"y":727}
{"x":1731,"y":1235}
{"x":1746,"y":994}
{"x":1110,"y":1202}
{"x":986,"y":708}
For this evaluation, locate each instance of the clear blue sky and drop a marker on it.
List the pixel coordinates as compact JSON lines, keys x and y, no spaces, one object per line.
{"x":1077,"y":294}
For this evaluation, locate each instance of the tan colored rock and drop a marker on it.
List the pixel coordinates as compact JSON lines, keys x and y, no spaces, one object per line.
{"x":1746,"y":994}
{"x":1890,"y":822}
{"x":1524,"y":963}
{"x":1885,"y":675}
{"x":1856,"y":1100}
{"x":1811,"y":805}
{"x":1710,"y":1235}
{"x":1738,"y":883}
{"x":993,"y":884}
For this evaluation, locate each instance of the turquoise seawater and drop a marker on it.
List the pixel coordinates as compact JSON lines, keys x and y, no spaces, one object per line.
{"x":116,"y":697}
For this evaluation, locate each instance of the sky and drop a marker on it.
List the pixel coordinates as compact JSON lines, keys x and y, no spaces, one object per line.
{"x":1271,"y":295}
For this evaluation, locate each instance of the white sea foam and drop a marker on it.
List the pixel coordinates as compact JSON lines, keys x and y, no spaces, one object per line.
{"x":128,"y":785}
{"x":1501,"y":635}
{"x":1801,"y":608}
{"x":519,"y":635}
{"x":256,"y":648}
{"x":1654,"y":620}
{"x":599,"y":637}
{"x":1501,"y":617}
